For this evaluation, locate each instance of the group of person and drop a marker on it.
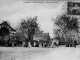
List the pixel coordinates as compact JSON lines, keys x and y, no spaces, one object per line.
{"x":71,"y":43}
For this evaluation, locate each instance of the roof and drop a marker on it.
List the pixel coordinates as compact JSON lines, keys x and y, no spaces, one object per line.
{"x":41,"y":37}
{"x":4,"y":23}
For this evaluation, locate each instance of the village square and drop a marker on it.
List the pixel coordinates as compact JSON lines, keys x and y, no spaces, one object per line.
{"x":39,"y":31}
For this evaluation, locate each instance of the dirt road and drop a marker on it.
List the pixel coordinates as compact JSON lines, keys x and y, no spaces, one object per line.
{"x":21,"y":53}
{"x":62,"y":53}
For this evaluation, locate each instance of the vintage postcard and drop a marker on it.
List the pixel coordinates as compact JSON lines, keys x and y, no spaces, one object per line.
{"x":39,"y":30}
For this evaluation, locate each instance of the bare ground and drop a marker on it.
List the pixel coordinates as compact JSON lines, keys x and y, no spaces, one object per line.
{"x":23,"y":53}
{"x":20,"y":53}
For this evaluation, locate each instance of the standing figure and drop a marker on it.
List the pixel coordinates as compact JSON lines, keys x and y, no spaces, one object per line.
{"x":75,"y":43}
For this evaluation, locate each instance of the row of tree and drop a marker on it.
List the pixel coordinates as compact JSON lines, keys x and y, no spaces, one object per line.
{"x":26,"y":29}
{"x":24,"y":33}
{"x":68,"y":28}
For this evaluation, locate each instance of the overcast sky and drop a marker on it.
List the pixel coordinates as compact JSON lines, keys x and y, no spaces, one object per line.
{"x":14,"y":10}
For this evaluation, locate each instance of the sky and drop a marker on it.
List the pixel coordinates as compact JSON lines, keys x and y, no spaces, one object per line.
{"x":15,"y":10}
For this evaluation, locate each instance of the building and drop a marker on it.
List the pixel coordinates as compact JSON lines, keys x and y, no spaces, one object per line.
{"x":42,"y":39}
{"x":5,"y":30}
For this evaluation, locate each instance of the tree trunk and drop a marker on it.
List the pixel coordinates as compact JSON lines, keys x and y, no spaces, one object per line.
{"x":30,"y":39}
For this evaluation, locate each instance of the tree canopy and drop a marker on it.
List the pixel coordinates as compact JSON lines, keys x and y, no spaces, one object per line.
{"x":28,"y":27}
{"x":68,"y":26}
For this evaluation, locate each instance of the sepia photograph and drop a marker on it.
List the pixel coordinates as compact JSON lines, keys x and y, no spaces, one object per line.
{"x":39,"y":30}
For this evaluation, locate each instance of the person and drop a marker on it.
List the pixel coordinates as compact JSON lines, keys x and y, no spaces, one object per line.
{"x":75,"y":43}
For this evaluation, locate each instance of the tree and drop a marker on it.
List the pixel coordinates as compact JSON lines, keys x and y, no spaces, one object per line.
{"x":28,"y":27}
{"x":68,"y":26}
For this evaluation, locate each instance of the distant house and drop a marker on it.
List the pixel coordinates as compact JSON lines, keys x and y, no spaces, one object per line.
{"x":41,"y":38}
